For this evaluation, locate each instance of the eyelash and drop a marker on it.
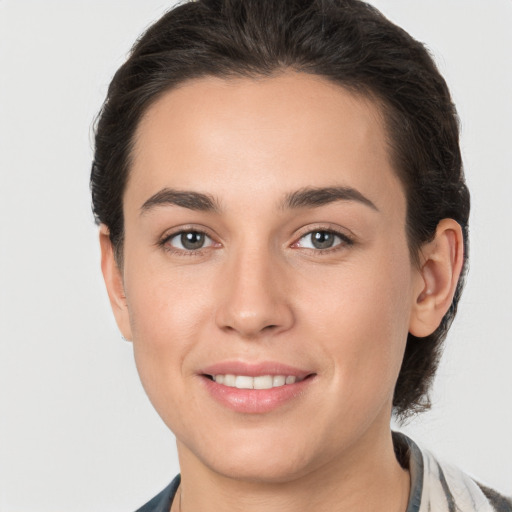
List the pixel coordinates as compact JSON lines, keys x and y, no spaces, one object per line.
{"x":164,"y":243}
{"x":344,"y":241}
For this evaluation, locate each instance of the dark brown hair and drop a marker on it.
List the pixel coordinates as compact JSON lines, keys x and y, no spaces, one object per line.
{"x":345,"y":41}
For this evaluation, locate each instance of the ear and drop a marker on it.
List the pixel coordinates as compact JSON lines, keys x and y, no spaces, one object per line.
{"x":113,"y":277}
{"x":440,"y":267}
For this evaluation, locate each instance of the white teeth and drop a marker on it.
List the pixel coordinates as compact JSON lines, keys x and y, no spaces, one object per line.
{"x":244,"y":382}
{"x":278,"y":380}
{"x":229,"y":380}
{"x":263,"y":382}
{"x":260,"y":382}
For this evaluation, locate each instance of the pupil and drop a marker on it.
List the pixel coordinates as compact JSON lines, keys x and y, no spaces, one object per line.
{"x":322,"y":239}
{"x":192,"y":240}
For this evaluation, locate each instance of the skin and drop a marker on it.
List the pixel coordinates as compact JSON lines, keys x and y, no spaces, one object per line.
{"x":259,"y":290}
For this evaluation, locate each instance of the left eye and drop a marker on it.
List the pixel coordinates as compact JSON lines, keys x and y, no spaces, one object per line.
{"x":320,"y":239}
{"x":190,"y":240}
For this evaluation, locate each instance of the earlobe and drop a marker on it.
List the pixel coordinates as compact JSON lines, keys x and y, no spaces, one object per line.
{"x":113,"y":278}
{"x":441,"y":265}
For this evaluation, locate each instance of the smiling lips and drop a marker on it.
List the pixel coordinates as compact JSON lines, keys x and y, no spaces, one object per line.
{"x":255,"y":388}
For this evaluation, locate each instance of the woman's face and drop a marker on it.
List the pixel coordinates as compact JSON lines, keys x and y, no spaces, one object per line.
{"x":265,"y":239}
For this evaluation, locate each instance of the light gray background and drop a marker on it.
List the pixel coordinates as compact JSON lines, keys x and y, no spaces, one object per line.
{"x":76,"y":430}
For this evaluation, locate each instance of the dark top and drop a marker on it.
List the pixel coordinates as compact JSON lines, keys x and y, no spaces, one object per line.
{"x":434,"y":487}
{"x":162,"y":502}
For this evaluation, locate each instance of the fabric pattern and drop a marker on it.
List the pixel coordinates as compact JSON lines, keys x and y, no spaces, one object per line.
{"x":440,"y":487}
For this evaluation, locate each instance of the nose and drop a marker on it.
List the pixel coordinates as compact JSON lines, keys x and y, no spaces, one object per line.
{"x":254,"y":299}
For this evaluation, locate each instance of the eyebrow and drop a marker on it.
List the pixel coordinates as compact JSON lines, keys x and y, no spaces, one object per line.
{"x":186,"y":199}
{"x":307,"y":197}
{"x":310,"y":197}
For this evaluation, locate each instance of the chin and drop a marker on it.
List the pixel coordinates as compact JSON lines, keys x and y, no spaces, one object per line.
{"x":261,"y":469}
{"x":257,"y":459}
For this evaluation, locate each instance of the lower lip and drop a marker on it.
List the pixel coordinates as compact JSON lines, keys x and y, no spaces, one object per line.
{"x":256,"y":401}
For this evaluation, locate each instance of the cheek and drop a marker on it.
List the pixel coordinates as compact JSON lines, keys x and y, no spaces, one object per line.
{"x":166,"y":305}
{"x":362,"y":318}
{"x":168,"y":310}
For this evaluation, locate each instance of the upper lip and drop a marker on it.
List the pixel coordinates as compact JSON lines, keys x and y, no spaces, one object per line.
{"x":254,"y":369}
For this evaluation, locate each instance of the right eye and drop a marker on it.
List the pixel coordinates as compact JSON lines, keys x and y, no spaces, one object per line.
{"x":320,"y":239}
{"x":189,"y":241}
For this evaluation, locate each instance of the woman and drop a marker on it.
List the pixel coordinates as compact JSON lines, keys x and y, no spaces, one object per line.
{"x":283,"y":223}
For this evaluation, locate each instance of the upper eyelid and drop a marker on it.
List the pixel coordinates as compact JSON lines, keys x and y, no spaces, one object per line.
{"x":344,"y":233}
{"x":344,"y":239}
{"x":178,"y":233}
{"x":172,"y":232}
{"x":330,"y":230}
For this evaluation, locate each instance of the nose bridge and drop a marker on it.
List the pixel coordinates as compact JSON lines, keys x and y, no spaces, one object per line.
{"x":254,"y":299}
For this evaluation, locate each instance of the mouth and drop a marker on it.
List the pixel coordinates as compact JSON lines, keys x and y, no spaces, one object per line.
{"x":256,"y":388}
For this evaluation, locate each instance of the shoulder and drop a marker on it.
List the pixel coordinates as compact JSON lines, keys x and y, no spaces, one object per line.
{"x":447,"y":485}
{"x":443,"y":487}
{"x":163,"y":500}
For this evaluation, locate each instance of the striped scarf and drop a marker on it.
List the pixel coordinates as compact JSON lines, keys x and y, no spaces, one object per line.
{"x":439,"y":487}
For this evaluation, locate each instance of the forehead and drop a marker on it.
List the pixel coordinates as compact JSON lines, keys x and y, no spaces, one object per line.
{"x":229,"y":136}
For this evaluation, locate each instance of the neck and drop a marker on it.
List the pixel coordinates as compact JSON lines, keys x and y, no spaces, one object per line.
{"x":367,"y":477}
